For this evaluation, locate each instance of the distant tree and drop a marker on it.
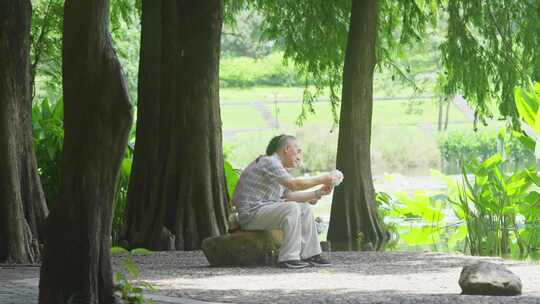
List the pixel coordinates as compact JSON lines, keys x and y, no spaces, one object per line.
{"x":177,"y":182}
{"x":76,"y":265}
{"x":22,"y":203}
{"x":242,"y":36}
{"x":46,"y":45}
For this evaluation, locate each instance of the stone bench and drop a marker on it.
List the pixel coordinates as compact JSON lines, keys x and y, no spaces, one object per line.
{"x":243,"y":248}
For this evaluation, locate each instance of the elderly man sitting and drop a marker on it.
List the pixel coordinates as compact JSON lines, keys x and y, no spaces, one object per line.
{"x":268,"y":197}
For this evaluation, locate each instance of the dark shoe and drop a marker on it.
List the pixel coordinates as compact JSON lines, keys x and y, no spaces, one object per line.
{"x":293,"y":264}
{"x":318,"y":261}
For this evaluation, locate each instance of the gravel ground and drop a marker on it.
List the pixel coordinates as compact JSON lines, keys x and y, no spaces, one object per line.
{"x":355,"y":277}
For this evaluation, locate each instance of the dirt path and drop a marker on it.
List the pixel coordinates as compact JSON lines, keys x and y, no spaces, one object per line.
{"x":356,"y":277}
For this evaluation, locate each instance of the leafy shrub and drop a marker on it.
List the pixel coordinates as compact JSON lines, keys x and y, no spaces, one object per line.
{"x":499,"y":209}
{"x":231,"y":176}
{"x":47,"y":121}
{"x":120,"y":200}
{"x":248,"y":72}
{"x":479,"y":146}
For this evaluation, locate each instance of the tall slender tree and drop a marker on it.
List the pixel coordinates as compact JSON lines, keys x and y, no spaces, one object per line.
{"x":22,"y":203}
{"x":177,"y":182}
{"x":76,"y":266}
{"x":354,"y":157}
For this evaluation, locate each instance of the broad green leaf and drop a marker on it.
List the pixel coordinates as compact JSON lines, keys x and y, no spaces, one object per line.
{"x":119,"y":277}
{"x":481,"y":180}
{"x":525,"y":140}
{"x":131,"y":268}
{"x":232,"y":176}
{"x":526,"y":106}
{"x":532,"y":199}
{"x":518,"y":183}
{"x":534,"y":177}
{"x":536,"y":125}
{"x":420,"y":236}
{"x":492,"y":161}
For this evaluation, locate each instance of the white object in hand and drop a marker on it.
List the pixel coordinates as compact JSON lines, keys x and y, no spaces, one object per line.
{"x":337,"y":177}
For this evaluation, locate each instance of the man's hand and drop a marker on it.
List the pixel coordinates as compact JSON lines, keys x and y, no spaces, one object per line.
{"x":337,"y":177}
{"x":313,"y":201}
{"x":326,"y":189}
{"x":333,"y":178}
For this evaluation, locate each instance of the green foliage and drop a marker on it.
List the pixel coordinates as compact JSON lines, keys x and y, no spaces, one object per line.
{"x":491,"y":47}
{"x":299,"y":25}
{"x":47,"y":121}
{"x":48,"y":131}
{"x":460,"y":144}
{"x":456,"y":146}
{"x":231,"y":175}
{"x":120,"y":199}
{"x":46,"y":46}
{"x":492,"y":206}
{"x":421,"y":208}
{"x":126,"y":34}
{"x":242,"y":36}
{"x":419,"y":205}
{"x":46,"y":43}
{"x":527,"y":104}
{"x":248,"y":72}
{"x":128,"y":279}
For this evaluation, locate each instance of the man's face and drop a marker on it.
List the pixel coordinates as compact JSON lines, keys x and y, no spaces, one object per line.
{"x":292,"y":154}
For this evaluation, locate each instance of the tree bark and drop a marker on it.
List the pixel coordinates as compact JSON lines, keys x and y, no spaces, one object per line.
{"x":354,"y":213}
{"x":447,"y":114}
{"x":22,"y":202}
{"x":177,"y":179}
{"x":97,"y":117}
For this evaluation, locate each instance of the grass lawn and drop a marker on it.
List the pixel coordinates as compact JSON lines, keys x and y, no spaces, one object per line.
{"x":404,"y":133}
{"x":263,"y":94}
{"x":241,"y":117}
{"x":288,"y":114}
{"x":384,"y":113}
{"x":405,"y":112}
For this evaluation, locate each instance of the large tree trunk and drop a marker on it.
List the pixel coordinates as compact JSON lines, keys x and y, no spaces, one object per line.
{"x":22,"y":203}
{"x":354,"y":213}
{"x":177,"y":179}
{"x":97,"y":118}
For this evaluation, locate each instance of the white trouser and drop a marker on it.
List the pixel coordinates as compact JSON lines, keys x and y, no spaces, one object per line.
{"x":299,"y":232}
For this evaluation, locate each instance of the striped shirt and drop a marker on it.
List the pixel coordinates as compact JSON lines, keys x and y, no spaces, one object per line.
{"x":259,"y":185}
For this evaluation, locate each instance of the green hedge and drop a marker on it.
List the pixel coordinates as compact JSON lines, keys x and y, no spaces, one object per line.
{"x":248,"y":72}
{"x":467,"y":145}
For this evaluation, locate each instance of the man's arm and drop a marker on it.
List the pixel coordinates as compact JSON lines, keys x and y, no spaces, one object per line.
{"x":299,"y":184}
{"x":308,"y":196}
